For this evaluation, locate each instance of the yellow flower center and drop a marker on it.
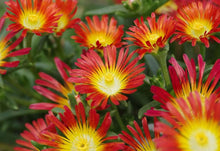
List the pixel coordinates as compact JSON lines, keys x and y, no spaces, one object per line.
{"x":81,"y":137}
{"x":100,"y":37}
{"x":153,"y":38}
{"x":109,"y":79}
{"x":32,"y":20}
{"x":83,"y":146}
{"x":199,"y":135}
{"x":62,"y":23}
{"x":84,"y":139}
{"x":109,"y":83}
{"x":201,"y":139}
{"x":198,"y":28}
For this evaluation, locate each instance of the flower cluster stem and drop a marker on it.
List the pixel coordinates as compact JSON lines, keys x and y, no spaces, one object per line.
{"x":59,"y":50}
{"x":118,"y":117}
{"x":161,"y":57}
{"x":202,"y":50}
{"x":27,"y":44}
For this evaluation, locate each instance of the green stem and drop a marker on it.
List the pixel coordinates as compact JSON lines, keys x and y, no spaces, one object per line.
{"x":118,"y":117}
{"x":27,"y":44}
{"x":161,"y":57}
{"x":202,"y":49}
{"x":59,"y":50}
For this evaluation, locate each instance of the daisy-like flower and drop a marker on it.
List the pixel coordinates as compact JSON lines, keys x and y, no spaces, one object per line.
{"x":99,"y":33}
{"x":80,"y":133}
{"x":197,"y":21}
{"x":37,"y":17}
{"x":183,"y":86}
{"x":139,"y":141}
{"x":110,"y":79}
{"x":6,"y":48}
{"x":33,"y":134}
{"x":172,"y":6}
{"x":48,"y":83}
{"x":193,"y":128}
{"x":151,"y":38}
{"x":67,"y":10}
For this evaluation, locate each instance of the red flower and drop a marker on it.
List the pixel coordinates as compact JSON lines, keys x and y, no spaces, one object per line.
{"x":51,"y":83}
{"x":33,"y":134}
{"x":110,"y":79}
{"x":37,"y":17}
{"x":67,"y":9}
{"x":197,"y":21}
{"x":5,"y":49}
{"x":79,"y":132}
{"x":185,"y":82}
{"x":98,"y":34}
{"x":151,"y":38}
{"x":139,"y":141}
{"x":191,"y":127}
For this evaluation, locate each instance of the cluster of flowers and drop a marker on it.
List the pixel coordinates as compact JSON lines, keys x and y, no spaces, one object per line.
{"x":107,"y":74}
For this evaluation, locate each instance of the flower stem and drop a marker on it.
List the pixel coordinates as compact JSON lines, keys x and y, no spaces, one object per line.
{"x":202,"y":49}
{"x":59,"y":50}
{"x":161,"y":57}
{"x":27,"y":44}
{"x":118,"y":117}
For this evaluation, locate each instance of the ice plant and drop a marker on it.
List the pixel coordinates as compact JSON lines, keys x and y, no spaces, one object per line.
{"x":193,"y":128}
{"x":139,"y":141}
{"x":80,"y":133}
{"x":67,"y":10}
{"x":98,"y":33}
{"x":112,"y":78}
{"x":151,"y":38}
{"x":183,"y":86}
{"x":197,"y":21}
{"x":6,"y":48}
{"x":46,"y":83}
{"x":37,"y":17}
{"x":33,"y":134}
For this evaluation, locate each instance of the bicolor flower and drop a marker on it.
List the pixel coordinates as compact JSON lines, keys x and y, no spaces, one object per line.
{"x":139,"y":141}
{"x":185,"y":81}
{"x":46,"y":83}
{"x":98,"y":33}
{"x":151,"y":38}
{"x":33,"y":134}
{"x":80,"y":133}
{"x":6,"y":48}
{"x":197,"y":22}
{"x":67,"y":10}
{"x":110,"y":79}
{"x":192,"y":127}
{"x":36,"y":17}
